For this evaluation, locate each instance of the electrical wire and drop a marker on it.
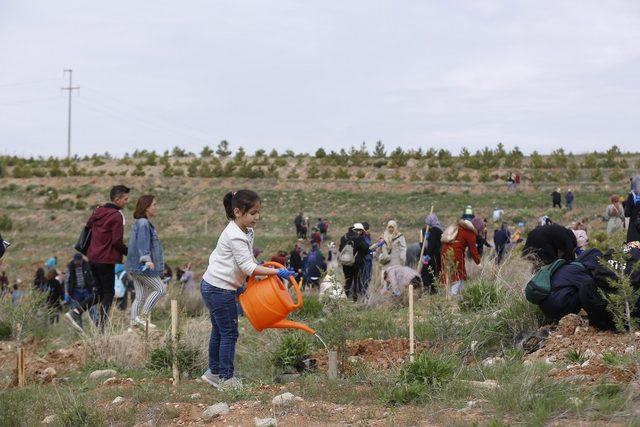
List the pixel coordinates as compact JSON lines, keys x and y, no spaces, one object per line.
{"x":120,"y":103}
{"x":102,"y":109}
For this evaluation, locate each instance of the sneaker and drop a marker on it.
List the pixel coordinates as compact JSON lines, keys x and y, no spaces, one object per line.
{"x":142,"y":323}
{"x":212,"y":379}
{"x":232,"y":383}
{"x":74,"y":319}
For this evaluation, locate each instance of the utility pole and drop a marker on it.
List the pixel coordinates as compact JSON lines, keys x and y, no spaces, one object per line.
{"x":69,"y":88}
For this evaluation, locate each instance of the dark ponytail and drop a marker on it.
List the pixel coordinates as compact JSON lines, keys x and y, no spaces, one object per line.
{"x":243,"y":200}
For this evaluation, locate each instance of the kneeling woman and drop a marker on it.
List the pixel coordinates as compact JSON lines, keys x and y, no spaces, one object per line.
{"x":145,"y":263}
{"x":230,"y":263}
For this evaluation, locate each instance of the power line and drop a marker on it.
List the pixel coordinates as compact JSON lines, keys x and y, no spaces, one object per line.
{"x":177,"y":126}
{"x":92,"y":104}
{"x":70,"y":89}
{"x":102,"y":109}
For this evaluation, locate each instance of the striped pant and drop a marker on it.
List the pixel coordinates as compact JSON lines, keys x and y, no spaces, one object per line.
{"x":149,"y":290}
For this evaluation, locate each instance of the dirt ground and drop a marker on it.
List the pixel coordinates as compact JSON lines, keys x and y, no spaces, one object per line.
{"x":573,"y":333}
{"x":377,"y":354}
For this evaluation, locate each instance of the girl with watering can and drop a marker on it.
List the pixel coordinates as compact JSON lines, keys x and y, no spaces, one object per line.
{"x":230,"y":263}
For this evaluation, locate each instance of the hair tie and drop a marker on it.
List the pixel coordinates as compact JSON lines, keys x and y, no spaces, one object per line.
{"x":233,"y":193}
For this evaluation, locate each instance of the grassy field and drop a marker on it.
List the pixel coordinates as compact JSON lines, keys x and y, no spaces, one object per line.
{"x":376,"y":386}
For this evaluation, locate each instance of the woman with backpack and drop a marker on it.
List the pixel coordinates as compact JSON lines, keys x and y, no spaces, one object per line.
{"x":632,"y":210}
{"x":614,"y":216}
{"x":455,"y":240}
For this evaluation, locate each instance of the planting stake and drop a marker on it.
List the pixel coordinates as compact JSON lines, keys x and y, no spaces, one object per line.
{"x":333,"y":365}
{"x":412,"y":345}
{"x":20,"y":367}
{"x":174,"y":341}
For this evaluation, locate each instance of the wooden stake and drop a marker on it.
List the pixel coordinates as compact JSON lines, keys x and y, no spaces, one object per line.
{"x":174,"y":341}
{"x":333,"y":365}
{"x":21,"y":379}
{"x":412,"y":344}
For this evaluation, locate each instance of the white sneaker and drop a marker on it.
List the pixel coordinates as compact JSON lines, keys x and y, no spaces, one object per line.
{"x":212,"y":379}
{"x":232,"y":383}
{"x":142,"y":323}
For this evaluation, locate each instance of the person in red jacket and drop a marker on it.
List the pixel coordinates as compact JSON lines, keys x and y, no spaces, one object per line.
{"x":107,"y":246}
{"x":453,"y":248}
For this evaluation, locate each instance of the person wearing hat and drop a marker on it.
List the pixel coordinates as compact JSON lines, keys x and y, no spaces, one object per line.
{"x":79,"y":290}
{"x":468,"y":213}
{"x":355,"y":283}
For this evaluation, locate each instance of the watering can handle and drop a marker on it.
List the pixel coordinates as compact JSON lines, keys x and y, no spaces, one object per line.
{"x":295,"y":284}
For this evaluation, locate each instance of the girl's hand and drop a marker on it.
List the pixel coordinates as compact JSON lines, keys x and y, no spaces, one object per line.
{"x":283,"y":273}
{"x":150,"y":265}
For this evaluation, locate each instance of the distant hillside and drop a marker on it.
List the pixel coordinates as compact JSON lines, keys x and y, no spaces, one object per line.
{"x":483,"y":166}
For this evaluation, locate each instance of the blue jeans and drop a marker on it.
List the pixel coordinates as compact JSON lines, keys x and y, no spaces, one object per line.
{"x":224,"y":328}
{"x":83,"y":298}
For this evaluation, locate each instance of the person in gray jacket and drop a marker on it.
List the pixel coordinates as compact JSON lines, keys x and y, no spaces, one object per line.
{"x":145,"y":263}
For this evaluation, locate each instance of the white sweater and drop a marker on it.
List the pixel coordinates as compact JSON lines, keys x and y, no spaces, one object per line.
{"x":232,"y":260}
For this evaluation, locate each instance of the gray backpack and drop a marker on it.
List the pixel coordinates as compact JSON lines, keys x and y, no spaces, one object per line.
{"x":347,"y":256}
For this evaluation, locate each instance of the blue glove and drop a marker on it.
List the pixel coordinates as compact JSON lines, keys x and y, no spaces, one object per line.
{"x":67,"y":299}
{"x":426,"y":259}
{"x":283,"y":273}
{"x":380,"y":243}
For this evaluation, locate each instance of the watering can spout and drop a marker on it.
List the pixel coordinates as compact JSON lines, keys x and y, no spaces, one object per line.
{"x":288,"y":324}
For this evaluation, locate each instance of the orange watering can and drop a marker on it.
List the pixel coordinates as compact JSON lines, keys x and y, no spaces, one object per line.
{"x":267,"y":302}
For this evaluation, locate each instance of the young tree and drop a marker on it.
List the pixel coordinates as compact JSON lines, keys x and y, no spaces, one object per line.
{"x":223,"y":149}
{"x":320,"y":153}
{"x":206,"y":152}
{"x":379,"y":150}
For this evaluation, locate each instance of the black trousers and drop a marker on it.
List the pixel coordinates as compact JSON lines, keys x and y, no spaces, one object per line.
{"x":104,"y":277}
{"x":348,"y":279}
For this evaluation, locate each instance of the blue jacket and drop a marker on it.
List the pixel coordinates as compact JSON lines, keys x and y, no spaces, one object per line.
{"x":144,"y":246}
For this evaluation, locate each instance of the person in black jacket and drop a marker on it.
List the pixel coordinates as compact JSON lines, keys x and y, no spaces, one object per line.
{"x":79,"y":290}
{"x":547,"y":243}
{"x":632,"y":210}
{"x":347,"y":239}
{"x":354,"y":275}
{"x":591,"y":293}
{"x":431,"y":260}
{"x":295,"y":260}
{"x":2,"y":246}
{"x":501,"y":237}
{"x":298,"y":221}
{"x":556,"y":198}
{"x":566,"y":283}
{"x":55,"y":294}
{"x":361,"y":250}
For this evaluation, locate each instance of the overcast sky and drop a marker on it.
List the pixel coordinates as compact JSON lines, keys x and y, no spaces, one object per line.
{"x":296,"y":74}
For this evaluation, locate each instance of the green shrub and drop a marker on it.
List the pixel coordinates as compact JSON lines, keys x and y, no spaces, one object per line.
{"x":5,"y":331}
{"x":311,"y":308}
{"x":479,"y":296}
{"x":380,"y":177}
{"x":161,"y":359}
{"x":139,"y":170}
{"x":575,"y":356}
{"x":427,"y":373}
{"x":78,"y":414}
{"x":5,"y":222}
{"x":291,"y":352}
